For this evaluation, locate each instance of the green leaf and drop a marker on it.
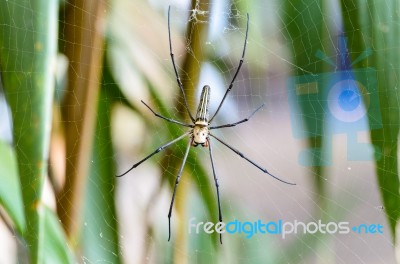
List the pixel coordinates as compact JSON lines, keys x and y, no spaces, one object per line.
{"x":375,"y":24}
{"x":100,"y":229}
{"x":305,"y":27}
{"x":28,"y":45}
{"x":54,"y":248}
{"x":204,"y":186}
{"x":10,"y":189}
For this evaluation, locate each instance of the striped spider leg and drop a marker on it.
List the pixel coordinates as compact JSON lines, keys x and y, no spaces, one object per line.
{"x":199,"y":132}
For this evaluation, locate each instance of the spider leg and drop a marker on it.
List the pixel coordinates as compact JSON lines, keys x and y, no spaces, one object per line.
{"x":236,"y":73}
{"x":249,"y":160}
{"x":178,"y":177}
{"x":239,"y":122}
{"x":217,"y":187}
{"x":166,"y":118}
{"x":178,"y":79}
{"x":155,"y":152}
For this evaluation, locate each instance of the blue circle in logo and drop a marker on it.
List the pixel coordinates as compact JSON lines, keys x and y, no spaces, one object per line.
{"x":349,"y":100}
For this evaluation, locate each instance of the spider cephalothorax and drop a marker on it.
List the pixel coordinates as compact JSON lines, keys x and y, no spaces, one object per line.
{"x":200,"y":136}
{"x":199,"y":132}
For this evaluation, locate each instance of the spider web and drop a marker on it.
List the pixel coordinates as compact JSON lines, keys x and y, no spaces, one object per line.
{"x":139,"y":58}
{"x":247,"y":194}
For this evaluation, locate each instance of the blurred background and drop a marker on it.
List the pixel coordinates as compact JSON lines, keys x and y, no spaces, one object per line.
{"x":73,"y":74}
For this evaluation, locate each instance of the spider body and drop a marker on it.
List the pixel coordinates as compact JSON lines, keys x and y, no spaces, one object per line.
{"x":200,"y":130}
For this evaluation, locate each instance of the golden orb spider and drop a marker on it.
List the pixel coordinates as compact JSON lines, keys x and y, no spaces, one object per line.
{"x":199,"y":131}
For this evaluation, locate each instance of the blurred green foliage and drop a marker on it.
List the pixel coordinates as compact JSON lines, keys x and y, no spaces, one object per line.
{"x":28,"y":40}
{"x":376,"y":24}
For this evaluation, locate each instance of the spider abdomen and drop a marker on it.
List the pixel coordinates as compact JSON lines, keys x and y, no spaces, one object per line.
{"x":200,"y":129}
{"x":202,"y":109}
